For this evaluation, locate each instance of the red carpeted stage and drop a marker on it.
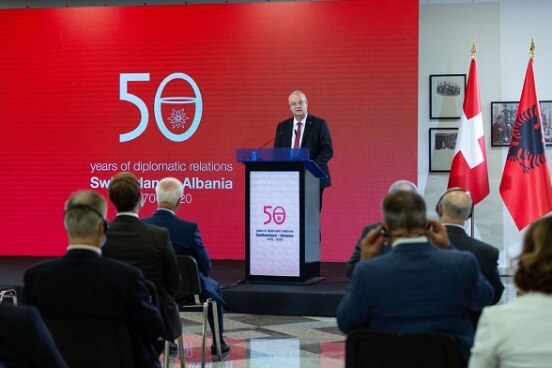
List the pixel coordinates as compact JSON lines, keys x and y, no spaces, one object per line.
{"x":319,"y":299}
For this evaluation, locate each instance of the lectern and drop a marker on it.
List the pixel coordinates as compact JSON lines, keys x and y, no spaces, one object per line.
{"x":282,"y":215}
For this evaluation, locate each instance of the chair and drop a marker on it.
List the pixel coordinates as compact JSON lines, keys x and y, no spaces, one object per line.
{"x":8,"y":293}
{"x":94,"y":343}
{"x":191,"y":290}
{"x":166,"y":346}
{"x":365,"y":348}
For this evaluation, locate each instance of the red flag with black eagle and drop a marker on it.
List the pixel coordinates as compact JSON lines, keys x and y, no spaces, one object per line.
{"x":525,"y":186}
{"x":469,"y":164}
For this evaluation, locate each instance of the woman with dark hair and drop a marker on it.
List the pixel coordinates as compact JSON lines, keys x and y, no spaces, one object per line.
{"x":519,"y":334}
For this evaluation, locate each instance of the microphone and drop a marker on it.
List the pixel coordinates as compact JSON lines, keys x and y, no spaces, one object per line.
{"x":279,"y":133}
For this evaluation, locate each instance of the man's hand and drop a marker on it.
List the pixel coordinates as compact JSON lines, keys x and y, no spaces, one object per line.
{"x":371,"y":244}
{"x":437,"y":234}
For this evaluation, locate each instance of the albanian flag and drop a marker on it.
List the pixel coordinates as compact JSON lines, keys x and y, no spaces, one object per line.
{"x":469,"y":164}
{"x":525,"y":185}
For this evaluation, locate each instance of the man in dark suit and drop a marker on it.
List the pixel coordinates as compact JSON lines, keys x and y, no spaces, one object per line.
{"x":355,"y":257}
{"x":186,"y":239}
{"x":144,"y":246}
{"x":25,"y":341}
{"x":82,"y":285}
{"x":454,"y":208}
{"x":304,"y":130}
{"x":416,"y":287}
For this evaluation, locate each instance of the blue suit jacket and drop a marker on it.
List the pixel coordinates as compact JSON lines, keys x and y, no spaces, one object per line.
{"x":82,"y":285}
{"x":25,"y":340}
{"x":416,"y":288}
{"x":186,"y":239}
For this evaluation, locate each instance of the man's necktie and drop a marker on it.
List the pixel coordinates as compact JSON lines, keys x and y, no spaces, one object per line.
{"x":297,"y":142}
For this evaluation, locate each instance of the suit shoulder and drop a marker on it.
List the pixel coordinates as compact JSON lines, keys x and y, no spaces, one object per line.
{"x":316,"y":119}
{"x":286,"y":121}
{"x":154,"y":228}
{"x":118,"y":266}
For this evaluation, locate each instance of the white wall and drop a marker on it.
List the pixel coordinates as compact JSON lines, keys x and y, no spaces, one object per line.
{"x":503,"y":31}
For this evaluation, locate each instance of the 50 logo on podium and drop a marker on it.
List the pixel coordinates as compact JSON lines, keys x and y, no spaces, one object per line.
{"x":178,"y":117}
{"x":276,"y":215}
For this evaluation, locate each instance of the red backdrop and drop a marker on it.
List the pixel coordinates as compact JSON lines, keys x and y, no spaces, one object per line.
{"x":63,"y":108}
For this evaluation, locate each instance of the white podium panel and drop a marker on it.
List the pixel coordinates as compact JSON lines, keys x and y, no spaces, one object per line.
{"x":274,"y":233}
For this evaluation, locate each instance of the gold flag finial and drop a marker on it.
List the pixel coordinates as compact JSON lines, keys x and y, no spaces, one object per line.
{"x":473,"y":49}
{"x":532,"y":48}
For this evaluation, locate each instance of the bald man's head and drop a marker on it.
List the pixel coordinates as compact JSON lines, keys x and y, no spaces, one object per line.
{"x":455,"y":206}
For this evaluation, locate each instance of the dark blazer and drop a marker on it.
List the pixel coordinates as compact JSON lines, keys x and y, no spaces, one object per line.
{"x":186,"y":239}
{"x":316,"y":137}
{"x":355,"y":257}
{"x":82,"y":285}
{"x":416,"y":288}
{"x":486,"y":255}
{"x":25,"y":340}
{"x":148,"y":248}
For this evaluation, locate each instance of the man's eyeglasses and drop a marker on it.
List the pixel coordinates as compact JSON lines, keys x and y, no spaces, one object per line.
{"x":300,"y":103}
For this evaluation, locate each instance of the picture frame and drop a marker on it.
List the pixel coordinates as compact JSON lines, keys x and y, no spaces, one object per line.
{"x":442,"y":142}
{"x":446,"y":95}
{"x":503,"y":118}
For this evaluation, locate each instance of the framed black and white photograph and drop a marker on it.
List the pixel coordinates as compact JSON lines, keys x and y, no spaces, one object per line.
{"x":442,"y":142}
{"x":546,"y":114}
{"x":446,"y":95}
{"x":503,"y":118}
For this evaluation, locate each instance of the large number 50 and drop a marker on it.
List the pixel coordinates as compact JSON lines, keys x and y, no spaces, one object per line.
{"x":124,"y":95}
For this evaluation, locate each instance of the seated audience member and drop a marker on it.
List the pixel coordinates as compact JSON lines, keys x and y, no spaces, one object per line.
{"x":417,"y":286}
{"x":25,"y":340}
{"x":144,"y":246}
{"x":454,"y":208}
{"x":186,"y":239}
{"x":82,"y":285}
{"x":518,"y":334}
{"x":355,"y":257}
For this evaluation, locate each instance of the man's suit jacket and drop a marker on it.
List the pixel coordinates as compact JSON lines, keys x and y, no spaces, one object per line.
{"x":355,"y":257}
{"x":486,"y":255}
{"x":416,"y":288}
{"x":25,"y":340}
{"x":148,"y":248}
{"x":316,"y":137}
{"x":186,"y":239}
{"x":82,"y":285}
{"x":515,"y":334}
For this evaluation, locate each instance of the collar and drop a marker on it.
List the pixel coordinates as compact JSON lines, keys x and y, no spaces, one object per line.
{"x":127,"y":213}
{"x":304,"y":121}
{"x":455,"y":225}
{"x":85,"y":247}
{"x":417,"y":239}
{"x":166,"y":210}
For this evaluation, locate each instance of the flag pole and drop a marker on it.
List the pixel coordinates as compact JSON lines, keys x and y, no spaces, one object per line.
{"x":472,"y":221}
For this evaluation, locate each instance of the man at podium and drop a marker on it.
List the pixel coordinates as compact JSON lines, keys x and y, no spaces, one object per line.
{"x":305,"y":130}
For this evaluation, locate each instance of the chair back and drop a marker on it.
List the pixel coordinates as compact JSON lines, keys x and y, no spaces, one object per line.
{"x":93,"y":343}
{"x":191,"y":283}
{"x":8,"y":293}
{"x":365,"y":348}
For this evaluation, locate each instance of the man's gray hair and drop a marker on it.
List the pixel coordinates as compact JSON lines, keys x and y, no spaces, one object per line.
{"x":169,"y":190}
{"x":404,"y":209}
{"x":403,"y":185}
{"x":80,"y":221}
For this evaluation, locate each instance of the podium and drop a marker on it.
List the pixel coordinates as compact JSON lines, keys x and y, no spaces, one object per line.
{"x":282,"y":215}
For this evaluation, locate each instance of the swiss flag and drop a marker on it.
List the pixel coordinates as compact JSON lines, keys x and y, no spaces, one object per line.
{"x":469,"y":164}
{"x":525,"y":185}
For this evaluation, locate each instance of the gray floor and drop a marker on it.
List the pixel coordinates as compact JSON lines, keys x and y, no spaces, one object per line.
{"x":279,"y":341}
